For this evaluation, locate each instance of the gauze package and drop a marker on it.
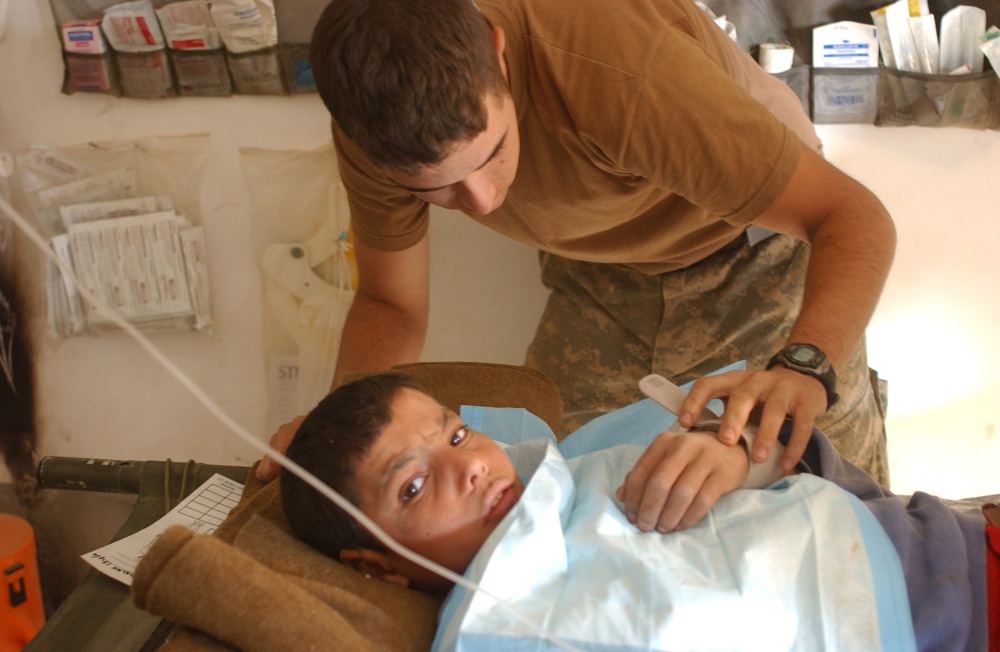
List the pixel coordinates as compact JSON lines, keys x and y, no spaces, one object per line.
{"x":245,"y":25}
{"x":134,"y":33}
{"x":188,"y":26}
{"x":132,"y":27}
{"x":845,"y":44}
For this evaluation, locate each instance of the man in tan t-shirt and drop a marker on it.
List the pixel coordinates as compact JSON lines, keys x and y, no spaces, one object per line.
{"x":644,"y":154}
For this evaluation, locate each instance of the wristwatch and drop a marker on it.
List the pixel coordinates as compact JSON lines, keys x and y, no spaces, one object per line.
{"x":809,"y":360}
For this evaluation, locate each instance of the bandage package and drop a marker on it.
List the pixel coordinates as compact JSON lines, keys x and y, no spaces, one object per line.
{"x":845,"y":45}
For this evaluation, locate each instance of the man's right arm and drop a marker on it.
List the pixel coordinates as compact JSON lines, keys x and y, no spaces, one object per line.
{"x":387,"y":322}
{"x":385,"y":326}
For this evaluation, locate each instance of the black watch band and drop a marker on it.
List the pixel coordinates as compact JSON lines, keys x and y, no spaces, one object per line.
{"x":808,"y":359}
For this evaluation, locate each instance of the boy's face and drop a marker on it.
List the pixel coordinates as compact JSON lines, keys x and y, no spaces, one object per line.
{"x":434,"y":485}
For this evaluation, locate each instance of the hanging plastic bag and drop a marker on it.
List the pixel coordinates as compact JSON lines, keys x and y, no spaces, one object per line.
{"x":300,"y":227}
{"x":125,"y":219}
{"x":310,"y":308}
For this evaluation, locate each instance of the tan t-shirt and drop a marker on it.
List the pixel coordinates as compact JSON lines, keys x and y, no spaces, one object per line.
{"x":644,"y":141}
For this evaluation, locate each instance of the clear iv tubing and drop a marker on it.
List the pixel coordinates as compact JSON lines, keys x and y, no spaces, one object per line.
{"x":245,"y":435}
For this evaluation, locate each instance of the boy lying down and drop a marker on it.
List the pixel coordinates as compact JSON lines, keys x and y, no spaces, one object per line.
{"x":823,"y":559}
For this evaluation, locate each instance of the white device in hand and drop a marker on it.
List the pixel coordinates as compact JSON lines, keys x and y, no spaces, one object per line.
{"x":669,"y":396}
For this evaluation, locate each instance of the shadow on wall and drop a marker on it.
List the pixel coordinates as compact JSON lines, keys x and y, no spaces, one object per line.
{"x":66,"y":524}
{"x":17,"y":429}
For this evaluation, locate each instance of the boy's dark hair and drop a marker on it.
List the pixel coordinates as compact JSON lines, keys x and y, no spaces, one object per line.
{"x":334,"y":436}
{"x":405,"y":80}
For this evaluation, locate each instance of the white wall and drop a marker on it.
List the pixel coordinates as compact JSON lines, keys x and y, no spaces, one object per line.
{"x":934,"y":335}
{"x":103,"y":397}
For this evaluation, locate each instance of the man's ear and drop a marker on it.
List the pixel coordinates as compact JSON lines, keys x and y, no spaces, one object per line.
{"x":499,"y":40}
{"x":374,"y":563}
{"x":500,"y":44}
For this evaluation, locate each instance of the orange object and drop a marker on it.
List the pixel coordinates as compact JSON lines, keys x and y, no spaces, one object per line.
{"x":22,"y":613}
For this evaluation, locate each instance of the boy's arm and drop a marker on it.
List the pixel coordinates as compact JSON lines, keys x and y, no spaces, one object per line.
{"x":681,"y":476}
{"x":678,"y":479}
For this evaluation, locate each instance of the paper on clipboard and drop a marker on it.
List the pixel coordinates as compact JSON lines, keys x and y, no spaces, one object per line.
{"x":202,"y":512}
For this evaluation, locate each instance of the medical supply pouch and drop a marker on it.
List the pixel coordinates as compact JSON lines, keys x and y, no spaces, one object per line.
{"x":797,"y":79}
{"x":145,"y":75}
{"x":124,"y":219}
{"x":910,"y":98}
{"x":844,"y":95}
{"x":201,"y":72}
{"x":152,"y":49}
{"x":91,"y":73}
{"x":802,"y":565}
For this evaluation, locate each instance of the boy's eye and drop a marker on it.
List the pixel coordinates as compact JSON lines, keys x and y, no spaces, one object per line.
{"x":413,"y":488}
{"x":459,"y":435}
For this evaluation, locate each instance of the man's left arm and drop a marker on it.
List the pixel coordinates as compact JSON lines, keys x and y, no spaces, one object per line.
{"x":852,"y":240}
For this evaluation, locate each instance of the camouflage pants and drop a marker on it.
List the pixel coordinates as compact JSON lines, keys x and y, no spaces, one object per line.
{"x":604,"y":328}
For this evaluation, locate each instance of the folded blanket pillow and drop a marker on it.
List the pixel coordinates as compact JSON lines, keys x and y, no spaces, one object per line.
{"x":267,"y":590}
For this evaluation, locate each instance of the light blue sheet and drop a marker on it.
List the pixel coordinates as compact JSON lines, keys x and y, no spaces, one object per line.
{"x":792,"y":567}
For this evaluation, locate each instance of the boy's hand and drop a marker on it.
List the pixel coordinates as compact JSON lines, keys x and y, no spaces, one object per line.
{"x":268,"y":469}
{"x":679,"y":478}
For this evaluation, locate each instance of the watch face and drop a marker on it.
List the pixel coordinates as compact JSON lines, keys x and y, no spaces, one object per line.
{"x":805,"y":355}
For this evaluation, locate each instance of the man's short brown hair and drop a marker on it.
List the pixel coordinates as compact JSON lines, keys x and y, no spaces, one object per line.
{"x":406,"y":80}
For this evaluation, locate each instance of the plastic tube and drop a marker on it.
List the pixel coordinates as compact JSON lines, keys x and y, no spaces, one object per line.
{"x":961,"y":28}
{"x":904,"y":50}
{"x":925,"y":39}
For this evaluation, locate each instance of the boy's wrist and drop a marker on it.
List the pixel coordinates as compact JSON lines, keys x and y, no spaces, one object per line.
{"x":758,"y":475}
{"x":732,"y":455}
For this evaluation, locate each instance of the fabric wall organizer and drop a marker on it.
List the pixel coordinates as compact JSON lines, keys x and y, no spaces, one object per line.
{"x":261,"y":47}
{"x":879,"y":95}
{"x":153,"y":49}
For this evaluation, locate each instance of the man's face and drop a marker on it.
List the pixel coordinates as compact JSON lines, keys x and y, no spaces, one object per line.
{"x":434,"y":485}
{"x":475,"y":176}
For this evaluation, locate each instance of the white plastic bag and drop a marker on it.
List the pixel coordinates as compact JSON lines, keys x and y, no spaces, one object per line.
{"x":300,"y":223}
{"x":124,"y":218}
